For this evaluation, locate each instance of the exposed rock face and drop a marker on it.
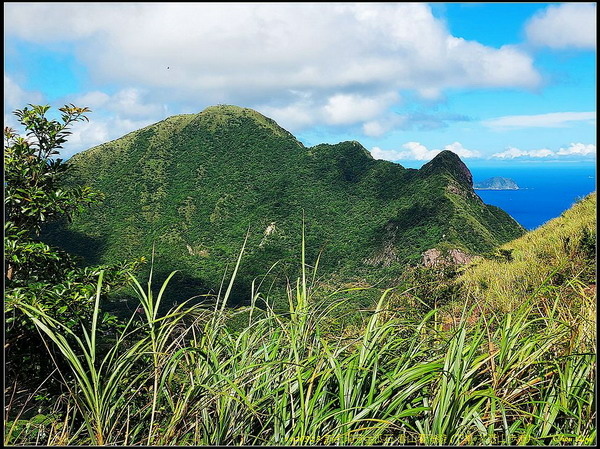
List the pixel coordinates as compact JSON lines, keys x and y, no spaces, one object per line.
{"x":271,"y":229}
{"x":434,"y":257}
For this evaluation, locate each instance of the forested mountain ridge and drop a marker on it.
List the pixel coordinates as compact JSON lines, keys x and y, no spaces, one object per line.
{"x":193,"y":185}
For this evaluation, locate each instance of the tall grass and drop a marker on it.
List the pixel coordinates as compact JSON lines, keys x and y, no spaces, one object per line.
{"x":186,"y":378}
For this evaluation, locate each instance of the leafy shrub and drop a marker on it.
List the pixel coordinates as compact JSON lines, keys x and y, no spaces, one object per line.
{"x":35,"y":272}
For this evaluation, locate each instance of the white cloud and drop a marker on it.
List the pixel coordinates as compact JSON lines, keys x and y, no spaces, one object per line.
{"x":457,"y":148}
{"x":354,"y":56}
{"x":131,"y":102}
{"x":577,"y":149}
{"x":128,"y":102}
{"x":93,"y":100}
{"x":382,"y":125}
{"x":86,"y":135}
{"x":342,"y":109}
{"x":417,"y":151}
{"x":483,"y":66}
{"x":374,"y":128}
{"x":430,"y":93}
{"x":513,"y":153}
{"x":550,"y":120}
{"x":15,"y":97}
{"x":568,"y":25}
{"x":387,"y":155}
{"x":416,"y":120}
{"x":112,"y":116}
{"x":293,"y":116}
{"x":509,"y":153}
{"x":337,"y":109}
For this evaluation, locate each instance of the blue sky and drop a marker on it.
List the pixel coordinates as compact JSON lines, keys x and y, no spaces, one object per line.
{"x":493,"y":82}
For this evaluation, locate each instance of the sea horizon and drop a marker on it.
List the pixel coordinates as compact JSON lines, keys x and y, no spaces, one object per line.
{"x":545,"y":190}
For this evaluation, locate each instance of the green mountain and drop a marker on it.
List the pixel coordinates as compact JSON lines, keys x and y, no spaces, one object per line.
{"x":193,"y":185}
{"x":496,"y":183}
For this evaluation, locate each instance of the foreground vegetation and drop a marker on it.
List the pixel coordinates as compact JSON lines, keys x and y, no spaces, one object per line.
{"x":187,"y":379}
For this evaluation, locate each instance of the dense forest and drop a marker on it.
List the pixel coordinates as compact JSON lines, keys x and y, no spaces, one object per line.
{"x":319,"y":321}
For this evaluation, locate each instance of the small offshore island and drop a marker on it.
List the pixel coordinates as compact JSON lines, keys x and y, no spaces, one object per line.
{"x":496,"y":183}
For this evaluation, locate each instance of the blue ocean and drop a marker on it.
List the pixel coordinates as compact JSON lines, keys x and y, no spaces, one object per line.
{"x":547,"y":190}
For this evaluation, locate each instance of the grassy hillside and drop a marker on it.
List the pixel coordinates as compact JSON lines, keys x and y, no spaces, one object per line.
{"x":192,"y":186}
{"x":563,"y":248}
{"x":552,"y":267}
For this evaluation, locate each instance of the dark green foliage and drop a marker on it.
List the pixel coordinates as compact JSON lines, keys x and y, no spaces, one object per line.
{"x":505,"y":254}
{"x":429,"y":288}
{"x":193,"y":185}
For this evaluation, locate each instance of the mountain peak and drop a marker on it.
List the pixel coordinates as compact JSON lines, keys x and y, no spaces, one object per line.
{"x":447,"y":161}
{"x":227,"y":109}
{"x":225,"y":114}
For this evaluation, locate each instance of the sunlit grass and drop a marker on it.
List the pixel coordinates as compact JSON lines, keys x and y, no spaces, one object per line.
{"x":187,"y":378}
{"x":552,"y":268}
{"x":560,"y":250}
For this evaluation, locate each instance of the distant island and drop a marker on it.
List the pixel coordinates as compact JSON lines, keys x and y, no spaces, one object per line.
{"x":496,"y":183}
